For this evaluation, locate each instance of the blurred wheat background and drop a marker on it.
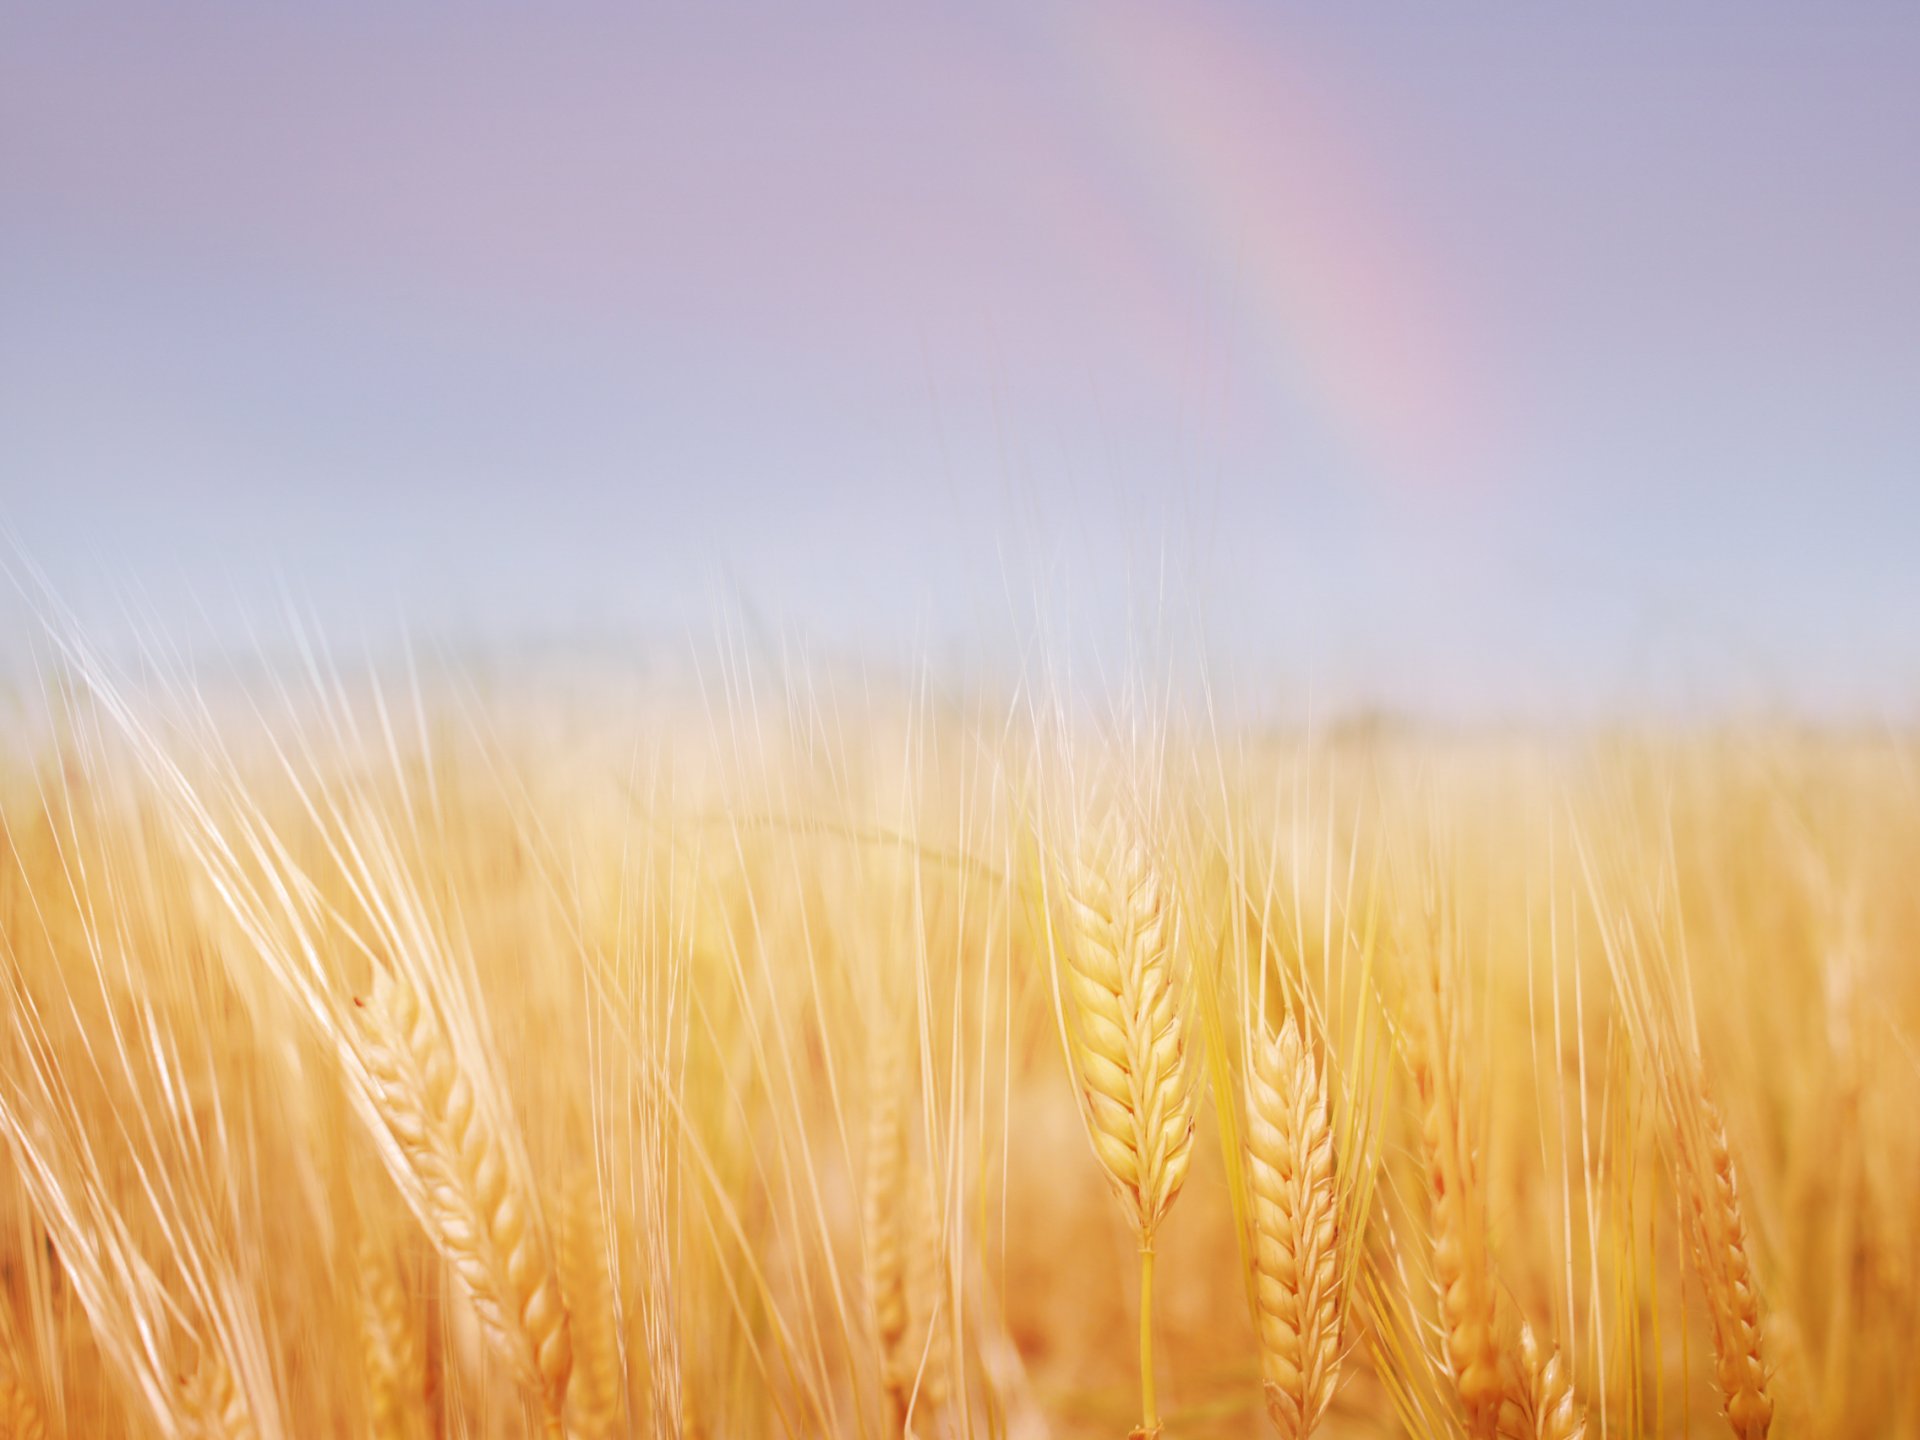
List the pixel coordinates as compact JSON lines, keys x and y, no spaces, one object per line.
{"x":386,"y":1065}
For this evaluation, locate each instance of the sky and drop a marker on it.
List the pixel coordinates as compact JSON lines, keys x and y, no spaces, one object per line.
{"x":1481,"y":361}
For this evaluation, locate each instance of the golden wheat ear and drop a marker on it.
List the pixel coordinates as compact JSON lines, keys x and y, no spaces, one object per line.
{"x":212,"y":1406}
{"x":884,"y":1204}
{"x":452,"y":1167}
{"x":928,"y":1322}
{"x":390,"y":1349}
{"x":1539,"y":1403}
{"x":594,"y":1397}
{"x":1461,"y":1261}
{"x":905,"y":1262}
{"x":1725,"y":1271}
{"x":1126,"y":1036}
{"x":1296,"y":1231}
{"x":1127,"y":1028}
{"x":20,"y":1417}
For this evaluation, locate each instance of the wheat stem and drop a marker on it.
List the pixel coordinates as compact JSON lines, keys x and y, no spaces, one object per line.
{"x":1149,"y":1410}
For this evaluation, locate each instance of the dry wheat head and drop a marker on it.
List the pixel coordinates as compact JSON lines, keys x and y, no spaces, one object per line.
{"x":1720,"y":1254}
{"x":599,"y":1380}
{"x":1460,"y":1258}
{"x":927,"y":1320}
{"x":885,"y":1201}
{"x":20,"y":1417}
{"x":390,"y":1350}
{"x":1539,"y":1403}
{"x":1126,"y":1028}
{"x":483,"y":1224}
{"x":212,"y":1406}
{"x":1295,"y":1231}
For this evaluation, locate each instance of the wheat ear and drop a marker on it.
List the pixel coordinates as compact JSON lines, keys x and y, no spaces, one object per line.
{"x":1128,"y":1046}
{"x":20,"y":1417}
{"x":1539,"y":1403}
{"x":1460,"y":1259}
{"x":459,"y":1182}
{"x":390,"y":1350}
{"x":1726,"y":1274}
{"x":212,"y":1406}
{"x":884,"y":1204}
{"x":593,"y":1397}
{"x":926,"y":1297}
{"x":1296,"y":1231}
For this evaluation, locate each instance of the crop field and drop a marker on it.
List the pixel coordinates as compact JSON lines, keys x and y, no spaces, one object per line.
{"x":807,"y":1061}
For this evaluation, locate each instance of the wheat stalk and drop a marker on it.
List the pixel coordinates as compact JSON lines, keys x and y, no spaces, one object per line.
{"x":1296,"y":1231}
{"x":1127,"y":1043}
{"x":457,"y":1178}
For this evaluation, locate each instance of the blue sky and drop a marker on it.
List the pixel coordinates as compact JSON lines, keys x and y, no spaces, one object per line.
{"x":1487,"y":363}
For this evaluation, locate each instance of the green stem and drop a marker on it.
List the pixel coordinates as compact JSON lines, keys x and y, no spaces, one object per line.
{"x":1149,"y":1415}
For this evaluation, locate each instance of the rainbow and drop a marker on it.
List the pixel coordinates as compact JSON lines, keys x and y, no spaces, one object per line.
{"x":1247,"y":179}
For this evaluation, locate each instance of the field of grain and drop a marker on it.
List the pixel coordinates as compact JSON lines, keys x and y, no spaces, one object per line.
{"x":806,"y":1060}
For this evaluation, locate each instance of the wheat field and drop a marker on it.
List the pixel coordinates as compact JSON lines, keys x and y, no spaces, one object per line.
{"x":806,"y":1059}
